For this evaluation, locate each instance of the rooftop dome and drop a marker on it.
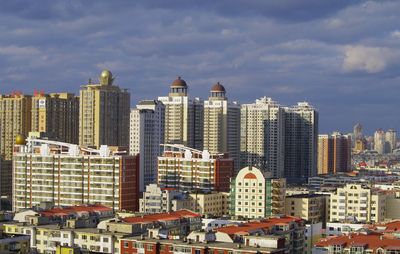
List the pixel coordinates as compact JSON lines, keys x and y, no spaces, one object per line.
{"x":20,"y":140}
{"x":218,"y":88}
{"x":106,"y":77}
{"x":179,"y":83}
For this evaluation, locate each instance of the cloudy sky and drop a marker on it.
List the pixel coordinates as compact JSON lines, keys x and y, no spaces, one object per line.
{"x":342,"y":56}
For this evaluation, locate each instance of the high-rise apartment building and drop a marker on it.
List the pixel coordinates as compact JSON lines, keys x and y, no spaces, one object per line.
{"x":334,"y":153}
{"x":187,"y":169}
{"x":56,"y":115}
{"x":15,"y":120}
{"x":391,"y":140}
{"x":146,"y":135}
{"x":262,"y":136}
{"x":68,"y":174}
{"x":379,"y":141}
{"x":183,"y":117}
{"x":104,"y":113}
{"x":301,"y":142}
{"x":253,"y":195}
{"x":222,"y":125}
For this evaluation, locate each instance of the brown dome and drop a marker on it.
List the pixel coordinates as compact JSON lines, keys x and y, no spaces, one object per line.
{"x":218,"y":88}
{"x":179,"y":83}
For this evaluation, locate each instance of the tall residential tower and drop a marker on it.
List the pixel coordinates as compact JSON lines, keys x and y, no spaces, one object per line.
{"x":104,"y":113}
{"x":222,"y":125}
{"x":262,"y":136}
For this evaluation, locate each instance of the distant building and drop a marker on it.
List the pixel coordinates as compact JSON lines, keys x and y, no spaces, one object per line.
{"x":379,"y":141}
{"x":262,"y":136}
{"x":104,"y":113}
{"x":56,"y":115}
{"x":146,"y":135}
{"x":222,"y":125}
{"x":253,"y":195}
{"x":357,"y":131}
{"x":334,"y":153}
{"x":390,"y":140}
{"x":67,"y":174}
{"x":187,"y":169}
{"x":183,"y":117}
{"x":301,"y":142}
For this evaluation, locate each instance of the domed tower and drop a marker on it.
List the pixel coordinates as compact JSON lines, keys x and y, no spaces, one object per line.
{"x":106,"y":78}
{"x":217,"y":92}
{"x":178,"y":87}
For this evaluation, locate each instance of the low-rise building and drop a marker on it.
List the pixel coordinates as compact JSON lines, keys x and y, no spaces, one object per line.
{"x":291,"y":228}
{"x":309,"y":207}
{"x":358,"y":203}
{"x":162,"y":200}
{"x":365,"y":242}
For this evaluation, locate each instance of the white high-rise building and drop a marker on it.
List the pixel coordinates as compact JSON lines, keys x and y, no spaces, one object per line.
{"x":146,"y":135}
{"x":262,"y":136}
{"x":183,"y":117}
{"x":391,"y":140}
{"x":379,"y":141}
{"x":222,"y":125}
{"x":301,"y":142}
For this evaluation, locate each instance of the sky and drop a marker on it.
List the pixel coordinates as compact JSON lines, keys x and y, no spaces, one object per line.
{"x":341,"y":56}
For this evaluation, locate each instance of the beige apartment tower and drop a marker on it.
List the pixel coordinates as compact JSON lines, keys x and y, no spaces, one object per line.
{"x":183,"y":117}
{"x":104,"y":113}
{"x":56,"y":115}
{"x":15,"y":120}
{"x":222,"y":125}
{"x":262,"y":136}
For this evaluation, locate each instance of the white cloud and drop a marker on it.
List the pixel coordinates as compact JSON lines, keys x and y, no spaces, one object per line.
{"x":368,"y":59}
{"x":395,"y":34}
{"x":18,"y":51}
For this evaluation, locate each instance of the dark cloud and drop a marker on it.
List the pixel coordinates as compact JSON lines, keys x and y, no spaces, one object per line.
{"x":341,"y":56}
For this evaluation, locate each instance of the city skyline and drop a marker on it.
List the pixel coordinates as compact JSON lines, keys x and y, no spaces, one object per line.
{"x":341,"y":56}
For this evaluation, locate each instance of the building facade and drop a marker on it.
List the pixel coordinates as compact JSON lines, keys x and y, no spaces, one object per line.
{"x":253,"y":195}
{"x":301,"y":142}
{"x":67,"y":174}
{"x":379,"y":141}
{"x":15,"y":120}
{"x":309,"y":207}
{"x":355,"y":202}
{"x":183,"y":117}
{"x":146,"y":135}
{"x":104,"y":113}
{"x":187,"y":169}
{"x":222,"y":125}
{"x":262,"y":136}
{"x":334,"y":153}
{"x":56,"y":115}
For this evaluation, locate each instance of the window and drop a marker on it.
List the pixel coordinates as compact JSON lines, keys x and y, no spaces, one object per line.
{"x":126,"y":244}
{"x":149,"y":247}
{"x":84,"y":237}
{"x":105,"y":240}
{"x":197,"y":251}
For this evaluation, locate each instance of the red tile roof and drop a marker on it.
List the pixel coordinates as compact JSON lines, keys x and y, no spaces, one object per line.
{"x":371,"y":241}
{"x":161,"y":217}
{"x":246,"y":228}
{"x":65,"y":211}
{"x":250,"y":176}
